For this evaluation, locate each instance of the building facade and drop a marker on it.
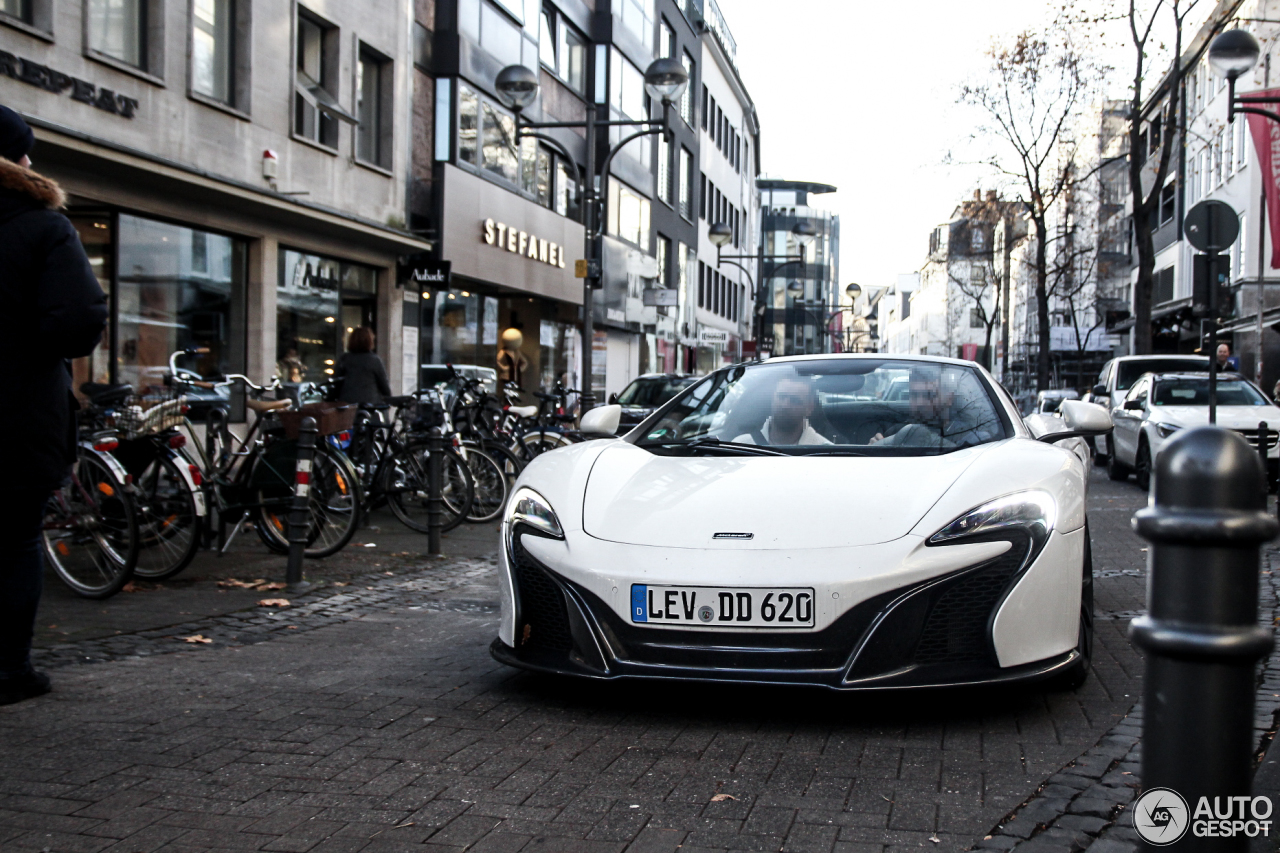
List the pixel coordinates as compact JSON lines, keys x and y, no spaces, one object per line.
{"x":800,"y":318}
{"x":236,"y":172}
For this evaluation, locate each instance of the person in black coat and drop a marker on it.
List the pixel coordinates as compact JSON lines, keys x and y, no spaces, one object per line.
{"x":361,"y":376}
{"x":52,"y":309}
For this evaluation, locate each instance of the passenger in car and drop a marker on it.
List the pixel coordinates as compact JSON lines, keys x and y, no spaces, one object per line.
{"x":788,"y":422}
{"x":940,"y":412}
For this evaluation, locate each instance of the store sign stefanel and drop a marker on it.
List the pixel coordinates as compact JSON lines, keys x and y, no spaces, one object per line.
{"x":50,"y":80}
{"x":522,"y":243}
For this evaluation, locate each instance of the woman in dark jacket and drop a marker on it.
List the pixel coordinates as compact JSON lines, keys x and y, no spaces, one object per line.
{"x":51,"y":309}
{"x":361,"y":375}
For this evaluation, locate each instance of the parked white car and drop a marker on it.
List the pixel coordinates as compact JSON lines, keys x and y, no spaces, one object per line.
{"x":1160,"y":404}
{"x":1118,"y":375}
{"x":769,"y":525}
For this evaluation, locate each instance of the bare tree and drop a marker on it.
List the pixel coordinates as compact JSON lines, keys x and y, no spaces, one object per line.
{"x":1037,"y":87}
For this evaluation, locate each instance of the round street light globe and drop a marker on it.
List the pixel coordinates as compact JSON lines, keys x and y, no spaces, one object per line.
{"x":853,"y":290}
{"x":795,"y":287}
{"x":720,"y":234}
{"x":1233,"y":53}
{"x":517,"y":86}
{"x":665,"y":80}
{"x":804,"y":232}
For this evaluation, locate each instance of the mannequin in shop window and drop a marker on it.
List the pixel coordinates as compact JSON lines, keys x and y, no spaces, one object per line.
{"x":511,"y":362}
{"x":360,"y":375}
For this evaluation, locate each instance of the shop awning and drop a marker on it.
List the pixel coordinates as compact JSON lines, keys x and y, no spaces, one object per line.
{"x":1249,"y":323}
{"x":1166,"y":317}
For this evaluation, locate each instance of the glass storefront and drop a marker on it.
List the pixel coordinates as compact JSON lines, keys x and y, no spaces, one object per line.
{"x":319,"y":301}
{"x":170,"y":287}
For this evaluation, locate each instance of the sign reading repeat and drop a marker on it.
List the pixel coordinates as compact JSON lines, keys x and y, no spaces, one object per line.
{"x":523,"y":243}
{"x":57,"y":82}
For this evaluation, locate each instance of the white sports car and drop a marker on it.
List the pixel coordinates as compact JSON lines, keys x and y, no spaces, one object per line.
{"x":784,"y":522}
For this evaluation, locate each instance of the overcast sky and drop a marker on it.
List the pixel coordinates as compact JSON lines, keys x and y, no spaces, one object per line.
{"x":862,"y":95}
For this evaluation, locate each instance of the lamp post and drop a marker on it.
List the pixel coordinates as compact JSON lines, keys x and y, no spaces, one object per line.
{"x":517,"y":86}
{"x":853,"y":291}
{"x":721,"y":234}
{"x":1231,"y":54}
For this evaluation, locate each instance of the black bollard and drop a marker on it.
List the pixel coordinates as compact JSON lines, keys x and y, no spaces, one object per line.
{"x":299,"y":512}
{"x":1262,"y":452}
{"x":1200,"y":635}
{"x":435,"y":489}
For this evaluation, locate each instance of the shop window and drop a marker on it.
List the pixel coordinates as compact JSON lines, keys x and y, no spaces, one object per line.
{"x":319,"y":301}
{"x":628,"y":214}
{"x":213,"y":49}
{"x":686,"y":183}
{"x":374,"y":86}
{"x":316,"y":109}
{"x":129,"y":32}
{"x":468,"y":124}
{"x":177,"y":287}
{"x":95,"y":235}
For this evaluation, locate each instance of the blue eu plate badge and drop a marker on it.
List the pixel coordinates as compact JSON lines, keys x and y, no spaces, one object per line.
{"x":639,"y":603}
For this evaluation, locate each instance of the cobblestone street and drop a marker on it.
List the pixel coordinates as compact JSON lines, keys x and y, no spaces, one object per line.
{"x":371,"y":717}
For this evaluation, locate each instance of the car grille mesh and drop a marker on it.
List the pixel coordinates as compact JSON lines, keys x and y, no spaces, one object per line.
{"x":956,"y":630}
{"x":544,"y":620}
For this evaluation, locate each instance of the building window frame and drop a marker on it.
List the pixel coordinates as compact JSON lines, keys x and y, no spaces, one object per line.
{"x":686,"y":178}
{"x":33,"y":17}
{"x":150,"y":65}
{"x":240,"y":66}
{"x":374,"y":148}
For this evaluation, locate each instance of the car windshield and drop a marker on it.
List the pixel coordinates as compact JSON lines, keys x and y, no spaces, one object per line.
{"x":653,"y":391}
{"x":1195,"y":392}
{"x":832,"y":406}
{"x":1131,"y":370}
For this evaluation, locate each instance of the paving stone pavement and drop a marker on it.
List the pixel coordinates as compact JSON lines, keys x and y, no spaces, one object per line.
{"x":380,"y":723}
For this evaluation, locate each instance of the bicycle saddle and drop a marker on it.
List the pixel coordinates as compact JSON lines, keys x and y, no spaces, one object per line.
{"x":105,"y":395}
{"x":523,"y":411}
{"x":406,"y":400}
{"x":267,"y":405}
{"x":541,"y":396}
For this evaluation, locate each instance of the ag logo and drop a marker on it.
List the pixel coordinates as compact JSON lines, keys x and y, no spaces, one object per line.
{"x":1160,"y":816}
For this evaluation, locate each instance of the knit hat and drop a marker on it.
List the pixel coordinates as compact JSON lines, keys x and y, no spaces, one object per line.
{"x":16,"y":137}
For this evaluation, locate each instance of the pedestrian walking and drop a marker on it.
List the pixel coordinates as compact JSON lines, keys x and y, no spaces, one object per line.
{"x":361,"y":375}
{"x":52,"y":309}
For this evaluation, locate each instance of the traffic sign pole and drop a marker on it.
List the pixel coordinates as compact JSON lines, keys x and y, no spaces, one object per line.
{"x":1212,"y":226}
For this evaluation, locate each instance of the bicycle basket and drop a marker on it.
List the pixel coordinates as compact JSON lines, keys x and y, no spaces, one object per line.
{"x":157,"y":410}
{"x":330,"y":418}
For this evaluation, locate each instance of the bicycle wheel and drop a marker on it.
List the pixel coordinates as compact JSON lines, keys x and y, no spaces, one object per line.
{"x":540,"y":441}
{"x":511,"y":463}
{"x":168,"y":524}
{"x":405,"y":484}
{"x":91,"y":530}
{"x":491,"y":486}
{"x":333,"y":504}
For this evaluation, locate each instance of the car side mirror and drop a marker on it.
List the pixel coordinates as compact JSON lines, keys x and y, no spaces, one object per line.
{"x":1081,"y":419}
{"x":602,"y":420}
{"x":613,"y":398}
{"x":1099,"y":390}
{"x":1133,"y":405}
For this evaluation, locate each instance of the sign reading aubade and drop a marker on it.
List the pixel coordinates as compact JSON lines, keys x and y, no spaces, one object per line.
{"x":57,"y":82}
{"x":523,"y":243}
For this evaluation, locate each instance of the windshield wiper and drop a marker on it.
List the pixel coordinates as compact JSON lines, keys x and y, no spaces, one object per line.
{"x":837,"y":453}
{"x":708,"y":441}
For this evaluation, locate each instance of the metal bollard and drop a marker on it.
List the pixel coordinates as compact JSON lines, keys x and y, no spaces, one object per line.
{"x":435,"y":489}
{"x":1200,"y":635}
{"x":299,"y":513}
{"x":1262,"y":452}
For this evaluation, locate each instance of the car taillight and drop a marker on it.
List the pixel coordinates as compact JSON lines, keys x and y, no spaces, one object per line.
{"x":176,"y":441}
{"x":196,"y":476}
{"x":106,"y":446}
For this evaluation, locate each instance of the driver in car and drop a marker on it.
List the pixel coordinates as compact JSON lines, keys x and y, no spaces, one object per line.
{"x":937,"y":412}
{"x":788,"y":422}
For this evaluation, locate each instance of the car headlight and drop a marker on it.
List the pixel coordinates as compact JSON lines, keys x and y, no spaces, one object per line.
{"x":530,"y":508}
{"x":1033,"y":511}
{"x":1167,"y":430}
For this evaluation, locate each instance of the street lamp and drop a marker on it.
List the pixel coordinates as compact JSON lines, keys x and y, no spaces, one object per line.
{"x":1233,"y":53}
{"x":517,"y":86}
{"x":721,"y":234}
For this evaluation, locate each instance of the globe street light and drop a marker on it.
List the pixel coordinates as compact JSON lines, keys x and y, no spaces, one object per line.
{"x":853,"y":291}
{"x":720,"y":234}
{"x":1233,"y":53}
{"x":517,"y":87}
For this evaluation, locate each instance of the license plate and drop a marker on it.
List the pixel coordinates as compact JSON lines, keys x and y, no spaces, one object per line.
{"x":733,"y":607}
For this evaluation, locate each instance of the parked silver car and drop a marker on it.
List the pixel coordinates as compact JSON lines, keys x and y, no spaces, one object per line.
{"x":1119,"y":374}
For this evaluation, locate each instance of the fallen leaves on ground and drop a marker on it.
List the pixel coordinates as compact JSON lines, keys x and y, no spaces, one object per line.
{"x":720,"y":798}
{"x":274,"y":602}
{"x":260,"y":584}
{"x":140,"y":586}
{"x":196,"y":638}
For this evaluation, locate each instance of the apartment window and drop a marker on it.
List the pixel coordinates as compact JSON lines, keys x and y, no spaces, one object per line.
{"x":498,"y":152}
{"x":705,"y":96}
{"x":1167,"y":203}
{"x":374,"y":84}
{"x":492,"y":28}
{"x":1163,"y":286}
{"x":686,"y":100}
{"x":664,"y":256}
{"x":1242,"y":150}
{"x":638,"y":16}
{"x":666,"y":40}
{"x":664,"y":169}
{"x":977,"y":240}
{"x":703,"y":272}
{"x":211,"y":49}
{"x":316,"y":109}
{"x":542,"y":177}
{"x":702,"y":195}
{"x":628,"y":214}
{"x":20,"y":9}
{"x":627,"y":101}
{"x":686,"y":183}
{"x":566,"y":189}
{"x":563,"y":51}
{"x":117,"y":29}
{"x":468,"y":124}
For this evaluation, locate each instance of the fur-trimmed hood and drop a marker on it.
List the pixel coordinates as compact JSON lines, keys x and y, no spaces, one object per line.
{"x":17,"y":180}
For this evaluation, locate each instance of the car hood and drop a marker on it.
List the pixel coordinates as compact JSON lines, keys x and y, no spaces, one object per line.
{"x":1231,"y":417}
{"x":785,"y":502}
